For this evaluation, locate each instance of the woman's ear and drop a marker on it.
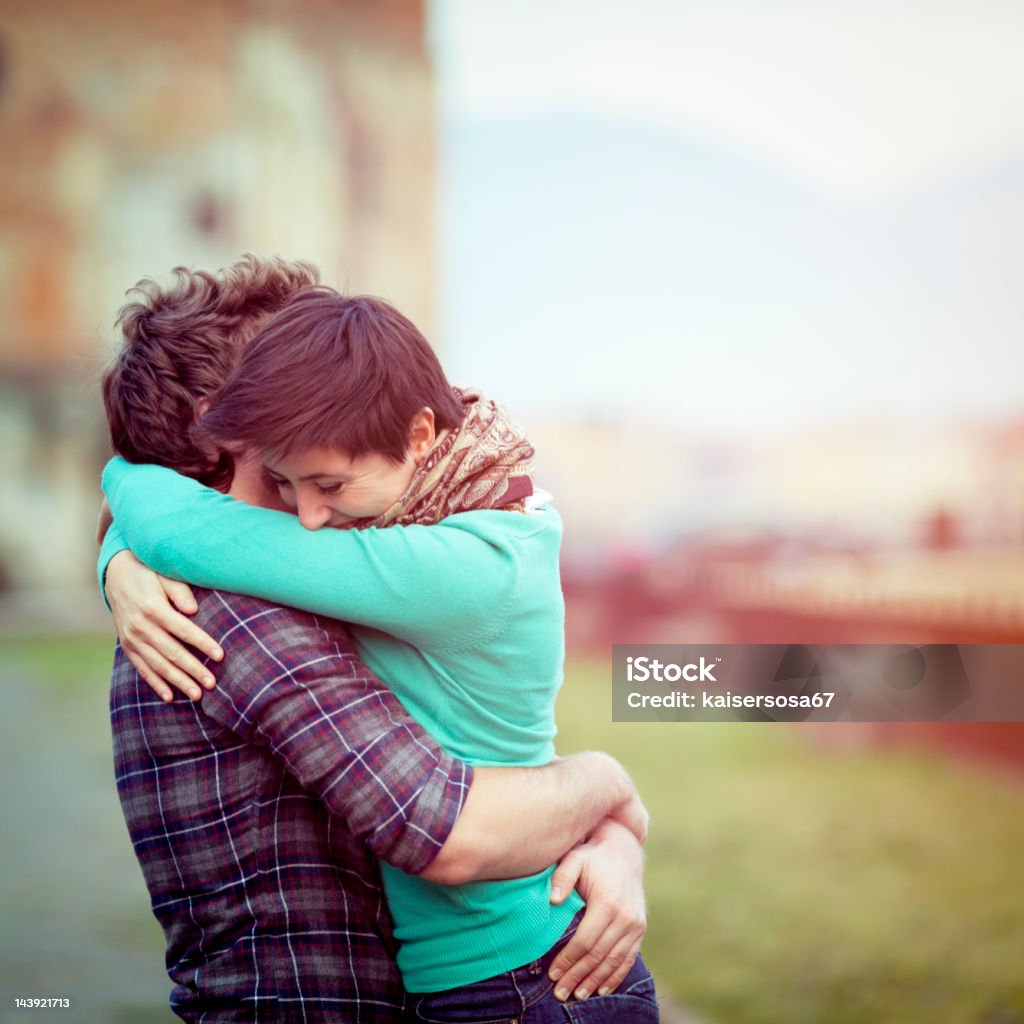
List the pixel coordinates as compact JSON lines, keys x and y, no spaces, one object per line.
{"x":421,"y":433}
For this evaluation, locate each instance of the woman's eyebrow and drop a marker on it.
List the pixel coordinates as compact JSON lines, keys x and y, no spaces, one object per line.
{"x":324,"y":476}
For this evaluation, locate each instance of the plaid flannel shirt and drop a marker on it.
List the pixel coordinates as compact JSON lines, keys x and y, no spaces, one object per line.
{"x":257,"y":814}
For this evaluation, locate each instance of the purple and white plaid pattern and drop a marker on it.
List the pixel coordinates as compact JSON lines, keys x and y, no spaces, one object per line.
{"x":257,"y":815}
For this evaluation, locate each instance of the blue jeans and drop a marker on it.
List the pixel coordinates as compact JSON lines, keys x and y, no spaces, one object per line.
{"x":527,"y":996}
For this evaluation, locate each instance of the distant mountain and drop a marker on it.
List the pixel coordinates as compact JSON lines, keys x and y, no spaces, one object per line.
{"x":608,"y":263}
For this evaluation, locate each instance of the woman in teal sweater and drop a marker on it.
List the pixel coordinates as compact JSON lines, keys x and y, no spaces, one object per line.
{"x":450,"y":575}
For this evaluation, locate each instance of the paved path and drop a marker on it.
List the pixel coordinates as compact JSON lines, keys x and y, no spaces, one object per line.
{"x":74,"y":913}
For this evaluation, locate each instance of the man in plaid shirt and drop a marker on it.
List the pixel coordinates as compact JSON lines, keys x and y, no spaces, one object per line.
{"x":258,"y":814}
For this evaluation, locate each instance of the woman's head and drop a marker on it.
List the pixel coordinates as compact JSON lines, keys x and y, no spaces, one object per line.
{"x":334,"y":378}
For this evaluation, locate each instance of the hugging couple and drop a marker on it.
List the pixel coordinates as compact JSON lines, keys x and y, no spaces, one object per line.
{"x":362,"y":817}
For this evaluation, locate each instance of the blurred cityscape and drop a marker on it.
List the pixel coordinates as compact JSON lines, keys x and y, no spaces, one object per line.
{"x":184,"y":134}
{"x":866,"y":533}
{"x":147,"y":142}
{"x":869,"y":534}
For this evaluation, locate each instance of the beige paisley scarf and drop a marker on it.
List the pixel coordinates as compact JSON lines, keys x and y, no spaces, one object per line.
{"x":484,"y":463}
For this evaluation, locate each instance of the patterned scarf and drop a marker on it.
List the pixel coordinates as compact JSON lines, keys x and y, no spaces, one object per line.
{"x":484,"y":462}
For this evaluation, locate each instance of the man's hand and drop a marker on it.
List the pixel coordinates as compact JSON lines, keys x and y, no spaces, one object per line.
{"x":147,"y":609}
{"x":517,"y":821}
{"x":607,"y":871}
{"x":633,"y":815}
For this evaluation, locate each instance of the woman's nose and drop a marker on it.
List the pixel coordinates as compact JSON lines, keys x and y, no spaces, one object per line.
{"x":312,"y":513}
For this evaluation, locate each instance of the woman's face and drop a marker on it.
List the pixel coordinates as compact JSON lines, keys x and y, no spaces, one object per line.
{"x":326,"y":487}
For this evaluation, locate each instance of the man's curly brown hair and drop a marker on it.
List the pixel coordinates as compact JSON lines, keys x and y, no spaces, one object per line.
{"x":181,"y":342}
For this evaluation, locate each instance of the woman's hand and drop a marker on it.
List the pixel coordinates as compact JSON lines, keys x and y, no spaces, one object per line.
{"x":607,"y":871}
{"x":153,"y":632}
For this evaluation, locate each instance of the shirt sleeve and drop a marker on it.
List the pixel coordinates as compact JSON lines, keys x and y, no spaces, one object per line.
{"x":291,"y":682}
{"x":391,"y":579}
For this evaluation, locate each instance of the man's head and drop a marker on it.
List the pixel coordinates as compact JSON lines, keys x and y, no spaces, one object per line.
{"x":342,"y":395}
{"x":180,"y":343}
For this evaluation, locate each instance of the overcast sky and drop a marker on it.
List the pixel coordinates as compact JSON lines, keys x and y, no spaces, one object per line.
{"x":742,"y":215}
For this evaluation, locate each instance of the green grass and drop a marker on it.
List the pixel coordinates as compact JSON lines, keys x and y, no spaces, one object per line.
{"x":789,"y":882}
{"x":65,"y":661}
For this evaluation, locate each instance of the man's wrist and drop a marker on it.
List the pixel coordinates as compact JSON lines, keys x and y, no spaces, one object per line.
{"x":618,"y":796}
{"x":603,"y":775}
{"x":613,"y":832}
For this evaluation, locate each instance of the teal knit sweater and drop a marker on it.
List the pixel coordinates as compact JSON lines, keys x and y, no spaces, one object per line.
{"x":464,"y":620}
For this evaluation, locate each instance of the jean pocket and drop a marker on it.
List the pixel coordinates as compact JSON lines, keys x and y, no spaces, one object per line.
{"x":455,"y":1015}
{"x":634,"y":1002}
{"x":494,"y":1001}
{"x":636,"y":1007}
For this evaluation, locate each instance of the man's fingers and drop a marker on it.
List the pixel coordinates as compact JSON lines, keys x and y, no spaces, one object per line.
{"x":563,"y":881}
{"x":611,"y":972}
{"x":584,"y":951}
{"x":635,"y":817}
{"x":571,"y":982}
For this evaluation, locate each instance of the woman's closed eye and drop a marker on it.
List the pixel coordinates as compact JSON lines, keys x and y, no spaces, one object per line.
{"x":283,"y":487}
{"x":329,"y":489}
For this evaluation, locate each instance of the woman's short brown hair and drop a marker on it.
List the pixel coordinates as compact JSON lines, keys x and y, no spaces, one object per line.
{"x":332,"y":371}
{"x":180,"y":343}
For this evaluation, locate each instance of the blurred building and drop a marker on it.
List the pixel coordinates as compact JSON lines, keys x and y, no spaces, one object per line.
{"x":859,"y":533}
{"x":873,"y":484}
{"x":141,"y":138}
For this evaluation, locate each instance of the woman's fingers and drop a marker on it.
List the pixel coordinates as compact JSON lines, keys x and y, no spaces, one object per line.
{"x":177,"y":628}
{"x":180,"y":594}
{"x":147,"y":620}
{"x":181,"y":626}
{"x":166,"y":632}
{"x":155,"y":683}
{"x":159,"y":672}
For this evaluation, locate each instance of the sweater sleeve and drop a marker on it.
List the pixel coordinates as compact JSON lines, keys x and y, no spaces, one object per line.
{"x":113,"y":544}
{"x":433,"y":586}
